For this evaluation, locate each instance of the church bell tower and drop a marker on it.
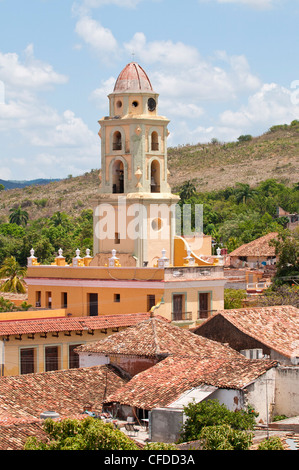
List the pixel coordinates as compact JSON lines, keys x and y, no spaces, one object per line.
{"x":135,"y":210}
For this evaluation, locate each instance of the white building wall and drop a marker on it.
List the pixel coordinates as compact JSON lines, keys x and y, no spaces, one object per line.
{"x":90,"y":360}
{"x":261,"y":395}
{"x":287,"y":391}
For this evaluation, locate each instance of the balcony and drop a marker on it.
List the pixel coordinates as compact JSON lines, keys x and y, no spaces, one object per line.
{"x":203,"y":314}
{"x":181,"y":316}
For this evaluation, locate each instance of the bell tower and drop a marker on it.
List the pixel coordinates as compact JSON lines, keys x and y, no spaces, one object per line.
{"x":135,"y":199}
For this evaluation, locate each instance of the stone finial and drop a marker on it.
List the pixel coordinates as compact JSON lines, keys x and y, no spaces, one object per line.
{"x":163,"y":262}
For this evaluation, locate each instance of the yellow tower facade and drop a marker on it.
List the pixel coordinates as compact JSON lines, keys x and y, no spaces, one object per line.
{"x":135,"y":211}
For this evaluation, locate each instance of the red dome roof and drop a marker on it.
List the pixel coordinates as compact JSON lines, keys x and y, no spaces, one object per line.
{"x":132,"y":78}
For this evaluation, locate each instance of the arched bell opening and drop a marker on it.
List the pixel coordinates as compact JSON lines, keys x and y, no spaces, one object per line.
{"x":117,"y":143}
{"x":154,"y":141}
{"x":118,"y":177}
{"x":155,"y":176}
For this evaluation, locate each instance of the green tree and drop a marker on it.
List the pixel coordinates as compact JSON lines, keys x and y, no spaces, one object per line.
{"x":273,"y":443}
{"x":18,"y":216}
{"x":14,"y":273}
{"x":6,"y":305}
{"x":187,"y":190}
{"x":86,"y":434}
{"x":244,"y":192}
{"x":287,"y":252}
{"x":224,"y":437}
{"x":212,"y":413}
{"x":233,"y":298}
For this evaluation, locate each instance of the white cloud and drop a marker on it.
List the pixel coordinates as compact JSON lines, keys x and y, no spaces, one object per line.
{"x":271,"y":105}
{"x":120,"y":3}
{"x":257,"y":4}
{"x":32,"y":74}
{"x":28,"y":121}
{"x":96,"y":36}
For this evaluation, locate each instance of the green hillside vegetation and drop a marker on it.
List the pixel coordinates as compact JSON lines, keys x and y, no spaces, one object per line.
{"x":240,"y":185}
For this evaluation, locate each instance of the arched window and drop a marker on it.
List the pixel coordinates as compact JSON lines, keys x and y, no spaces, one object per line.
{"x":116,"y":144}
{"x":118,"y":177}
{"x":154,"y":141}
{"x":155,"y":176}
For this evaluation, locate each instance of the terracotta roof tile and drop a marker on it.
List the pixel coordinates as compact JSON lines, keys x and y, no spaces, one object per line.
{"x":11,"y":327}
{"x":165,"y":382}
{"x":25,"y":397}
{"x":258,"y":247}
{"x":156,"y":337}
{"x":277,"y":326}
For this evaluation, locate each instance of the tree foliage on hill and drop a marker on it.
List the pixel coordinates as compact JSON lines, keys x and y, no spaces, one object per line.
{"x":47,"y":235}
{"x":14,"y":274}
{"x":239,"y":214}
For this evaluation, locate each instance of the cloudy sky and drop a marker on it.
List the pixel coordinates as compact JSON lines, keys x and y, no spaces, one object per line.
{"x":222,"y":68}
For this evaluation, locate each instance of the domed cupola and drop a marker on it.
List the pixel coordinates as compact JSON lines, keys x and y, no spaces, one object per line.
{"x":132,"y":79}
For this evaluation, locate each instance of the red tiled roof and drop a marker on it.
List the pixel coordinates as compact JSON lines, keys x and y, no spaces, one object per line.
{"x":156,"y":337}
{"x":13,"y":436}
{"x":165,"y":382}
{"x":258,"y":247}
{"x":41,"y":325}
{"x":277,"y":326}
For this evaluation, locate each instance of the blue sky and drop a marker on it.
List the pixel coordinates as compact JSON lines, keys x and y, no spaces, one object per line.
{"x":222,"y":68}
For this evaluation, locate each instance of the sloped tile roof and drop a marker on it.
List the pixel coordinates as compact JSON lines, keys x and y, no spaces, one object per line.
{"x":43,"y":325}
{"x":258,"y":247}
{"x":13,"y":436}
{"x":24,"y":397}
{"x":277,"y":327}
{"x":156,"y":337}
{"x":165,"y":382}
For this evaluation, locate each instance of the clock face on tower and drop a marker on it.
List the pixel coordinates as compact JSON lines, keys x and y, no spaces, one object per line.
{"x":151,"y":104}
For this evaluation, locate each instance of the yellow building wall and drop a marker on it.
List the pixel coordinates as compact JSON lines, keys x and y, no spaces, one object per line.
{"x":13,"y":346}
{"x":31,"y":314}
{"x":131,"y":300}
{"x":216,"y":295}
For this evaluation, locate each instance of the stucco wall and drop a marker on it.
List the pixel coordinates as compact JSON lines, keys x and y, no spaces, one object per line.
{"x":287,"y":391}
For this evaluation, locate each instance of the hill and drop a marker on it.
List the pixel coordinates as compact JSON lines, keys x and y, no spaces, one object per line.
{"x":274,"y":154}
{"x":23,"y":184}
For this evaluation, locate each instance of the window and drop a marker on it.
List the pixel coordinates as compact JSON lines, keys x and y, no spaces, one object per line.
{"x":63,"y":299}
{"x":38,"y":296}
{"x":204,"y":305}
{"x":178,"y":307}
{"x":155,"y":177}
{"x":73,"y":357}
{"x":117,"y":239}
{"x":154,"y":141}
{"x":51,"y":358}
{"x":118,"y":177}
{"x":27,"y":361}
{"x":48,"y":299}
{"x":92,"y":301}
{"x":151,"y":302}
{"x":116,"y":297}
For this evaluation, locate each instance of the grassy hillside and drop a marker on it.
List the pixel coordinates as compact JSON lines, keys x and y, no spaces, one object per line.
{"x":216,"y":166}
{"x":209,"y":166}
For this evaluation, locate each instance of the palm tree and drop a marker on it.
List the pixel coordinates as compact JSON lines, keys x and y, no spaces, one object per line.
{"x":18,"y":216}
{"x":14,"y":274}
{"x":244,"y":192}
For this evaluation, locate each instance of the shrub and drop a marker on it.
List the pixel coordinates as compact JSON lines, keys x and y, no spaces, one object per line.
{"x":273,"y":443}
{"x":223,"y":437}
{"x":212,"y":413}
